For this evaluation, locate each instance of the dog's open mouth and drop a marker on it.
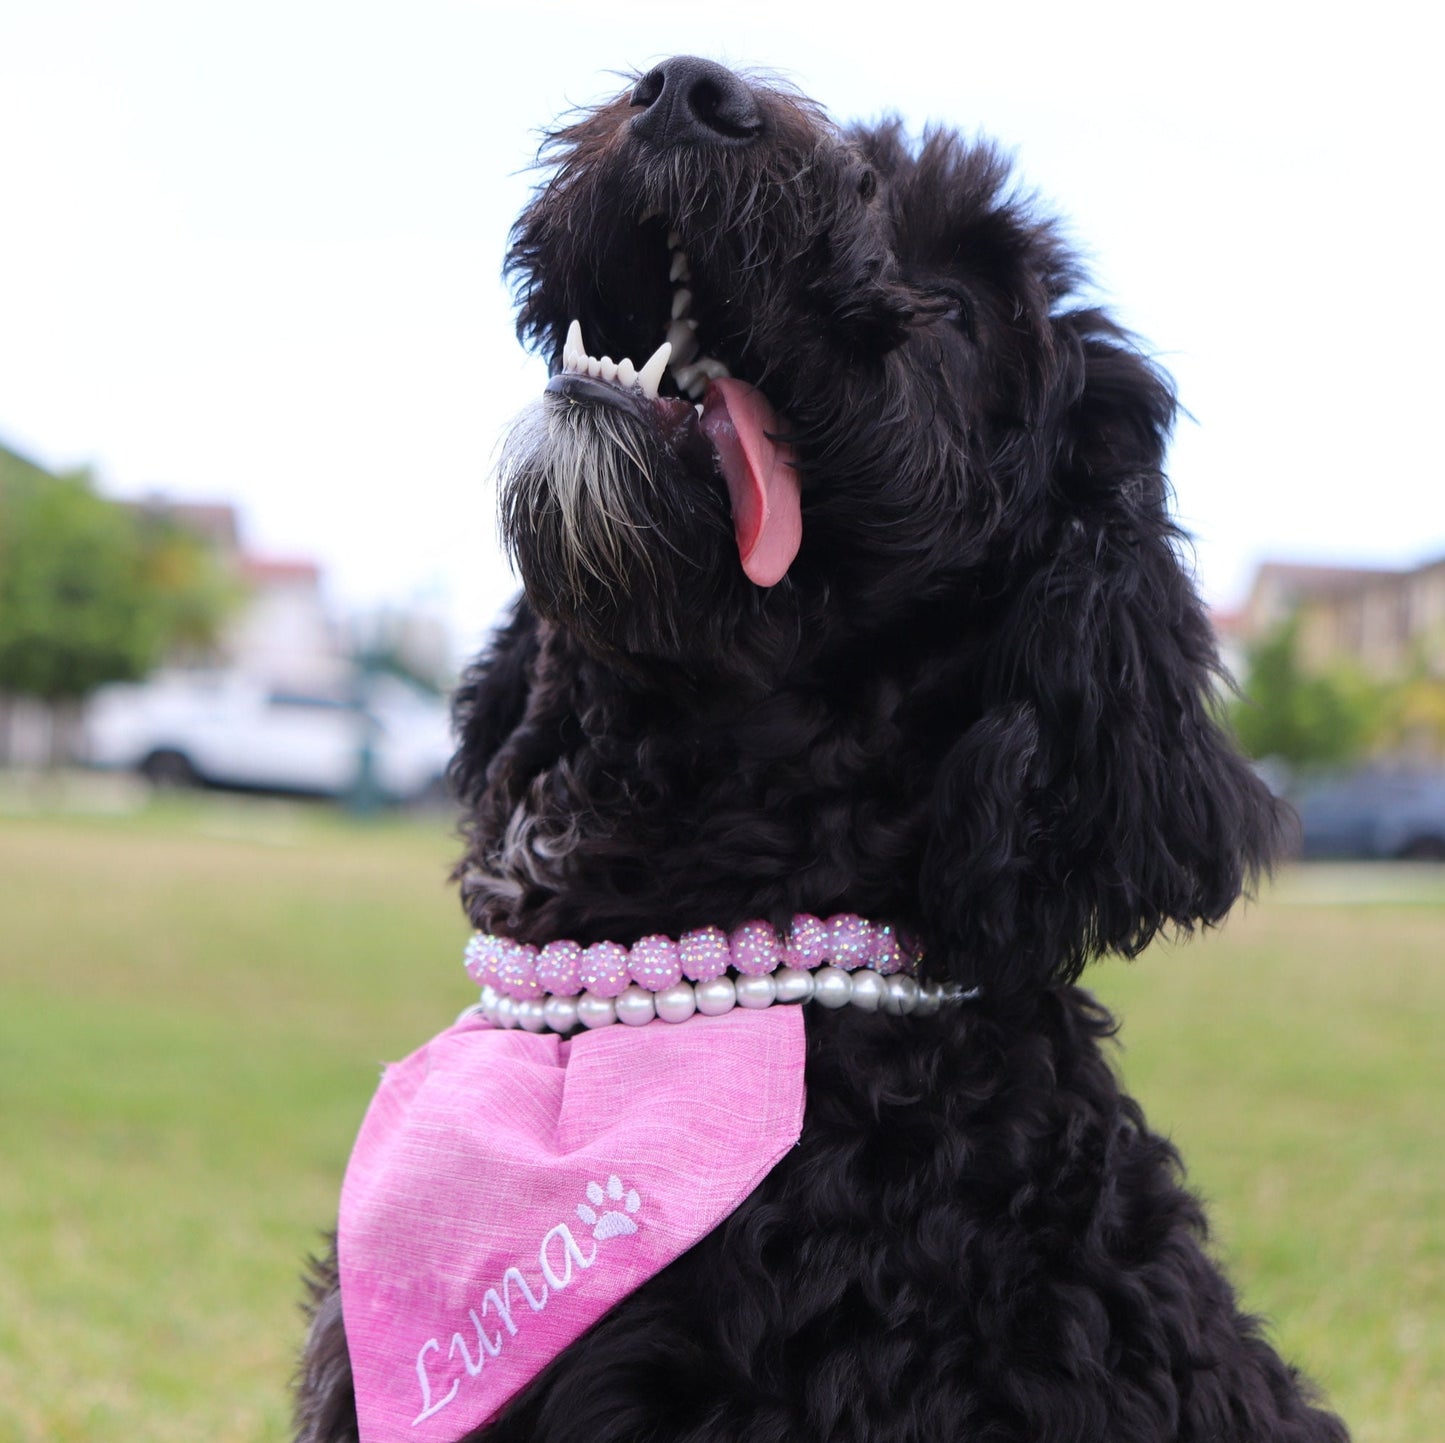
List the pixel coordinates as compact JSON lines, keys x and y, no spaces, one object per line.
{"x":689,"y":395}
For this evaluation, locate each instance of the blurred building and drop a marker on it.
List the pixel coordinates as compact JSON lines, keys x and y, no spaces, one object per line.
{"x":281,"y":633}
{"x":1380,"y":621}
{"x":1368,"y":657}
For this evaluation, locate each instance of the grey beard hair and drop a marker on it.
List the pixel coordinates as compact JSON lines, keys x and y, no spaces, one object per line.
{"x":576,"y":468}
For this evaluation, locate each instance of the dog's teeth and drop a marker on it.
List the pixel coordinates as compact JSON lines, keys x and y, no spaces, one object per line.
{"x":679,"y":271}
{"x":697,"y":389}
{"x":687,"y":377}
{"x":698,"y":408}
{"x":607,"y":368}
{"x":626,"y":373}
{"x":651,"y":373}
{"x":681,"y":302}
{"x":682,"y":336}
{"x":574,"y":356}
{"x":712,"y":368}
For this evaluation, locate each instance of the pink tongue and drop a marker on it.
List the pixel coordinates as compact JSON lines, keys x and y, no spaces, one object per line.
{"x":767,"y":509}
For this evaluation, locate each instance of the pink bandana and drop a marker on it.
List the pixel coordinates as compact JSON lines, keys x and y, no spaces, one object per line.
{"x":508,"y":1188}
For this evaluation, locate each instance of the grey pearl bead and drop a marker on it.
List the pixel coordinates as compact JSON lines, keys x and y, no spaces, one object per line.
{"x":793,"y":984}
{"x":532,"y":1015}
{"x":715,"y":997}
{"x":506,"y":1014}
{"x":902,"y":996}
{"x":635,"y":1006}
{"x":756,"y":991}
{"x":868,"y":990}
{"x":927,"y":1000}
{"x":594,"y":1011}
{"x":676,"y":1003}
{"x":832,"y":987}
{"x":561,"y":1013}
{"x":490,"y":997}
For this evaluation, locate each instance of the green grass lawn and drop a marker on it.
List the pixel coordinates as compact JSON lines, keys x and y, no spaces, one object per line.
{"x":195,"y":999}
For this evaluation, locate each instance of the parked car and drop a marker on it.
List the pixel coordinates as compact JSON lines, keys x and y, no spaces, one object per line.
{"x":1374,"y":814}
{"x":228,"y":730}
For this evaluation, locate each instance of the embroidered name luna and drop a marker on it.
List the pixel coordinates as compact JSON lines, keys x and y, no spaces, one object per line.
{"x":558,"y":1254}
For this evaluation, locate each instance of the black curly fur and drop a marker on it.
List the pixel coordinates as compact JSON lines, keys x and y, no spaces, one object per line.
{"x":980,"y":705}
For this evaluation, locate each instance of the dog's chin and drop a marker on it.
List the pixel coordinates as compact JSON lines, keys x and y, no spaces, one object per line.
{"x":619,"y":524}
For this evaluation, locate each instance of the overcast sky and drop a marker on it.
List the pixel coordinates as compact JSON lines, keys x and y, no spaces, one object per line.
{"x":250,"y":252}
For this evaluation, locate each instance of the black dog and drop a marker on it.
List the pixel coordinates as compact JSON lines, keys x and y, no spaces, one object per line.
{"x":909,"y":638}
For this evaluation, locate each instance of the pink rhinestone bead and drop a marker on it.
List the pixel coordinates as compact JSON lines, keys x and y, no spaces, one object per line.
{"x":517,"y":970}
{"x":850,"y":940}
{"x":704,"y":954}
{"x":756,"y":949}
{"x":807,"y":944}
{"x":603,"y":969}
{"x":480,"y":958}
{"x":559,"y":968}
{"x":655,"y":964}
{"x":888,"y":954}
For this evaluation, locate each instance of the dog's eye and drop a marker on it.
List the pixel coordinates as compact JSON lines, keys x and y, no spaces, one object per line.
{"x":954,"y":307}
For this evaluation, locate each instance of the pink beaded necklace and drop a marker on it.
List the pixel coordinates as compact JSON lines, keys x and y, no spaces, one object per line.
{"x":564,"y":985}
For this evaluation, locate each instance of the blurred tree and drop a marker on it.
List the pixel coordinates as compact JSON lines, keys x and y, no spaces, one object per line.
{"x":1302,"y":719}
{"x":92,"y":591}
{"x":1414,"y":722}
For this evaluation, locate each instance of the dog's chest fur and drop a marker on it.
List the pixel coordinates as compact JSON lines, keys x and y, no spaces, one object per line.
{"x":622,"y":814}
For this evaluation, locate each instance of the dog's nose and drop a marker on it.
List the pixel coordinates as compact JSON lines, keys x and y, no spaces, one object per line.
{"x":687,"y":101}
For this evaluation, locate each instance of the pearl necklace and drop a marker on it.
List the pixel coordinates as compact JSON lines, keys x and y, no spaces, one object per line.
{"x":707,"y":972}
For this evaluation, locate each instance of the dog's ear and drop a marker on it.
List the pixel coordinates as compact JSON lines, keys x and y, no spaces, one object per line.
{"x":492,"y":700}
{"x":1095,"y":799}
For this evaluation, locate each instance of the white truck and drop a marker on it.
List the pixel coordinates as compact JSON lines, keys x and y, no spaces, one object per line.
{"x":225,"y":729}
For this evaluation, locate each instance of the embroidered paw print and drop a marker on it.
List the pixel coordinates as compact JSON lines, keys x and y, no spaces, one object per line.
{"x":615,"y":1222}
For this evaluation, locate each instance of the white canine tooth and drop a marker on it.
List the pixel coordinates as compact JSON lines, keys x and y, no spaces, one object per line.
{"x":698,"y":408}
{"x":679,"y":271}
{"x":682,"y":336}
{"x":626,"y":373}
{"x":711,"y":367}
{"x":651,"y":373}
{"x":574,"y":340}
{"x":681,"y":302}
